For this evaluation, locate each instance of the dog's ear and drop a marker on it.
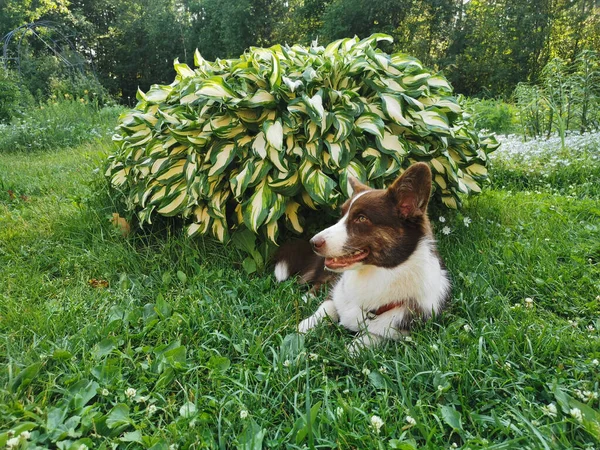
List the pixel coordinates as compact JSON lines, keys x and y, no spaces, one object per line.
{"x":357,"y":186}
{"x":411,"y":190}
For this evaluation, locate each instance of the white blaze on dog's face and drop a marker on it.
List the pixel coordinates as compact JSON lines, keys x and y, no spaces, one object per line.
{"x":380,"y":227}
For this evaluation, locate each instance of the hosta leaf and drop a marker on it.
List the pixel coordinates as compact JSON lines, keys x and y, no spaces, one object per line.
{"x":393,"y":110}
{"x":240,"y":181}
{"x":256,"y":209}
{"x":439,"y":83}
{"x":450,"y":202}
{"x":183,"y":69}
{"x":272,"y":229}
{"x":318,"y":186}
{"x":469,"y":182}
{"x":292,"y":85}
{"x":287,"y":184}
{"x":277,"y":158}
{"x":354,"y":169}
{"x":292,"y":218}
{"x":342,"y":122}
{"x":274,"y":133}
{"x":173,"y":204}
{"x":259,"y":98}
{"x":370,"y":123}
{"x":260,"y":145}
{"x":391,"y":144}
{"x":275,"y":75}
{"x":219,"y":230}
{"x":221,"y":155}
{"x":277,"y":208}
{"x":477,"y":170}
{"x":215,"y":88}
{"x":158,"y":94}
{"x":416,"y":80}
{"x":432,"y":120}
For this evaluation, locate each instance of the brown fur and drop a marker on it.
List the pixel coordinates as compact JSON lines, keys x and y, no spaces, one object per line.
{"x":389,"y":222}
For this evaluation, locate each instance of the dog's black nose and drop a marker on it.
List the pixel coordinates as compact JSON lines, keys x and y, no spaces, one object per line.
{"x":317,"y":242}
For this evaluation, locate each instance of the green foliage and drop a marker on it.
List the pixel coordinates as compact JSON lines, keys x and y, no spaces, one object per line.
{"x":282,"y":128}
{"x":183,"y":348}
{"x":57,"y":124}
{"x":14,"y":97}
{"x":493,"y":115}
{"x":484,"y":47}
{"x":80,"y":87}
{"x":566,"y":99}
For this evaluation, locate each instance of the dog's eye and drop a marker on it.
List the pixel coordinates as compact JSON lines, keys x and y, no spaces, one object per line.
{"x":361,"y":219}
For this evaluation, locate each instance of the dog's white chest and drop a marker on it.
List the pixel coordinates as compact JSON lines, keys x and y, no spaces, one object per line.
{"x":419,"y":279}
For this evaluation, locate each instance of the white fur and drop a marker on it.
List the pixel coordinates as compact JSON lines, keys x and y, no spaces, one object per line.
{"x":336,"y":235}
{"x":367,"y":288}
{"x":282,"y":271}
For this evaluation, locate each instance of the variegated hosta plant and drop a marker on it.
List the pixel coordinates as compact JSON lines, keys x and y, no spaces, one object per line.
{"x":251,"y":142}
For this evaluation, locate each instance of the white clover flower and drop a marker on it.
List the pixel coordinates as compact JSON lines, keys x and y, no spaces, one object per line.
{"x":572,"y":323}
{"x":173,"y":447}
{"x":576,"y":414}
{"x":339,"y":411}
{"x":595,"y":362}
{"x":243,"y":414}
{"x":411,"y":421}
{"x":287,"y":363}
{"x":12,"y":443}
{"x":467,"y":328}
{"x":408,"y":339}
{"x":446,"y":230}
{"x":376,"y":423}
{"x":383,"y":369}
{"x":442,"y":219}
{"x":467,"y":221}
{"x":550,"y":410}
{"x":346,"y":391}
{"x":130,"y":392}
{"x":454,"y":445}
{"x":151,"y":409}
{"x":529,"y":302}
{"x":25,"y":435}
{"x":366,"y":372}
{"x":434,"y":347}
{"x":104,"y":392}
{"x":313,"y":356}
{"x":590,"y":328}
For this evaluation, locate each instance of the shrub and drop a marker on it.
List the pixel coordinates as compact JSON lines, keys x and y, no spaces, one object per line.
{"x":77,"y":87}
{"x":249,"y":142}
{"x":493,"y":115}
{"x":14,"y":97}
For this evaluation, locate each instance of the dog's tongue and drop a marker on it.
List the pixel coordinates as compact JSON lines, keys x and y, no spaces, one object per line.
{"x":344,"y":261}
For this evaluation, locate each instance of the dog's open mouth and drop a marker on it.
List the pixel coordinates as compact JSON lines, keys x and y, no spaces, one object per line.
{"x":341,"y":262}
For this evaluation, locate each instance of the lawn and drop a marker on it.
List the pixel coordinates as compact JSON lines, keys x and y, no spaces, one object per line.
{"x":158,"y":341}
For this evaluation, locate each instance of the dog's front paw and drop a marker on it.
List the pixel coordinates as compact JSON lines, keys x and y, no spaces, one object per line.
{"x":362,"y":342}
{"x":306,"y":325}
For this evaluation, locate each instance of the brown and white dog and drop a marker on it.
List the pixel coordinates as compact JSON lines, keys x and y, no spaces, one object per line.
{"x":384,"y":252}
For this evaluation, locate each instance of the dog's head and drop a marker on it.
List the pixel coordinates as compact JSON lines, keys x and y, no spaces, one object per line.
{"x":379,"y":227}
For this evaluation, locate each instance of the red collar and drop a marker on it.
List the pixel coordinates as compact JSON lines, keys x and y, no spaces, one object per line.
{"x":386,"y":308}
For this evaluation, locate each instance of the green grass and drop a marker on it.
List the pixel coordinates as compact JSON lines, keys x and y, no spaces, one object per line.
{"x":57,"y":125}
{"x":212,"y":354}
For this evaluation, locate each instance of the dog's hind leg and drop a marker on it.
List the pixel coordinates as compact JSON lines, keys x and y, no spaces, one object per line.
{"x":327,"y":308}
